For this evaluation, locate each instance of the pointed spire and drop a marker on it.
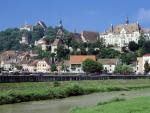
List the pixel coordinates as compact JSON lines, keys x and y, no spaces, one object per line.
{"x":139,"y":27}
{"x":112,"y":28}
{"x":60,"y":24}
{"x":127,"y":20}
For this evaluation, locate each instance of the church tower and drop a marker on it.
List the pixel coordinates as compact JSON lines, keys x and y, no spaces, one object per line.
{"x":60,"y":31}
{"x":127,"y":20}
{"x":24,"y":39}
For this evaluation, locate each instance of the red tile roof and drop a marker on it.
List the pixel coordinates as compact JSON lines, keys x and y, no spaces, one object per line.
{"x":78,"y":59}
{"x":146,"y":55}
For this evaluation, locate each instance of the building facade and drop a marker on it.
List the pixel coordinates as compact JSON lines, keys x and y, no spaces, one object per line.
{"x":75,"y":62}
{"x":43,"y":66}
{"x":109,"y":65}
{"x":141,"y":62}
{"x":24,"y":39}
{"x":120,"y":35}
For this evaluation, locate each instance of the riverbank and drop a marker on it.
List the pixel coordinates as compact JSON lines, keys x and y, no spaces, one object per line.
{"x":137,"y":105}
{"x":23,"y":92}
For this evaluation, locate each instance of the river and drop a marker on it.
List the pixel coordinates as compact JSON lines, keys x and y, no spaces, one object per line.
{"x":67,"y":104}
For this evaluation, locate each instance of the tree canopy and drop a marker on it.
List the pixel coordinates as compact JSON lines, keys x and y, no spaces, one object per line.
{"x":91,"y":66}
{"x":123,"y":69}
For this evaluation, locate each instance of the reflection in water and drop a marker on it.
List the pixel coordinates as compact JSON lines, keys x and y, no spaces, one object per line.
{"x":67,"y":104}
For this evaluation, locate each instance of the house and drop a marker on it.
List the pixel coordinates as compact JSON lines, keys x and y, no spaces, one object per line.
{"x":89,"y":36}
{"x":120,"y":35}
{"x":24,"y":62}
{"x":32,"y":66}
{"x":75,"y":62}
{"x":43,"y":66}
{"x":55,"y":44}
{"x":109,"y":64}
{"x":9,"y":59}
{"x":43,"y":43}
{"x":85,"y":36}
{"x":63,"y":67}
{"x":141,"y":62}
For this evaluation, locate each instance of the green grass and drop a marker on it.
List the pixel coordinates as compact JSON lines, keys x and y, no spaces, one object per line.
{"x":137,"y":105}
{"x":22,"y":92}
{"x":113,"y":100}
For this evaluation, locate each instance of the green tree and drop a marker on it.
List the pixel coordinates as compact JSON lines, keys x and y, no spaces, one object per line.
{"x":91,"y":66}
{"x":53,"y":57}
{"x":123,"y":69}
{"x":128,"y":58}
{"x":146,"y":47}
{"x":108,"y":53}
{"x":64,"y":67}
{"x":37,"y":33}
{"x":53,"y":68}
{"x":62,"y":52}
{"x":19,"y":67}
{"x":141,"y":40}
{"x":133,"y":46}
{"x":146,"y":67}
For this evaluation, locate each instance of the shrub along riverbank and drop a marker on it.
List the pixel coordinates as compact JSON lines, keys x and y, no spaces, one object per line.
{"x":22,"y":92}
{"x":137,"y":105}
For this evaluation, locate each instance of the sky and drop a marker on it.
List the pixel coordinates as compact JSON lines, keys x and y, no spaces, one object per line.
{"x":92,"y":15}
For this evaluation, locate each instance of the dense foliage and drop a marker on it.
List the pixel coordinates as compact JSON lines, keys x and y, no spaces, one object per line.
{"x":91,"y":66}
{"x":123,"y":69}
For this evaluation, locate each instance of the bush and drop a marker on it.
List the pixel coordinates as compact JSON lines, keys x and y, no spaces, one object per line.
{"x":91,"y":66}
{"x":123,"y":69}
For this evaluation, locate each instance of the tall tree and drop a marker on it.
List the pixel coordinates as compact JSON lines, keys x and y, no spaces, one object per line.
{"x":91,"y":66}
{"x":133,"y":46}
{"x":146,"y":67}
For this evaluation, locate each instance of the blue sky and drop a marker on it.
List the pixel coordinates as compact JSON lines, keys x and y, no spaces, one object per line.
{"x":94,"y":15}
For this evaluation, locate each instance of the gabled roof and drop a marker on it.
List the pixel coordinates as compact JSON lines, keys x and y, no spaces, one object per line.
{"x":57,"y":42}
{"x":76,"y":37}
{"x":146,"y":55}
{"x":129,"y":28}
{"x":6,"y":54}
{"x":108,"y":61}
{"x":42,"y":24}
{"x":43,"y":40}
{"x":90,"y":36}
{"x":33,"y":63}
{"x":78,"y":59}
{"x":145,"y":30}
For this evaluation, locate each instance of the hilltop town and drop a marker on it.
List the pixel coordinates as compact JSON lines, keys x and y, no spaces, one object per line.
{"x":122,"y":49}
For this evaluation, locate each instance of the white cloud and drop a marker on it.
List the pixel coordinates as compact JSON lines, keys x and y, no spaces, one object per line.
{"x":144,"y":14}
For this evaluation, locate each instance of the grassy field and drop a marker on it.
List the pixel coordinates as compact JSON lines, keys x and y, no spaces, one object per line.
{"x":137,"y":105}
{"x":22,"y":92}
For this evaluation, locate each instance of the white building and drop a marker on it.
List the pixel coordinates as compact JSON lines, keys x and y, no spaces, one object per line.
{"x":75,"y":62}
{"x":109,"y":64}
{"x":141,"y":62}
{"x":24,"y":39}
{"x":43,"y":43}
{"x":55,"y":44}
{"x":26,"y":27}
{"x":120,"y":35}
{"x":43,"y":66}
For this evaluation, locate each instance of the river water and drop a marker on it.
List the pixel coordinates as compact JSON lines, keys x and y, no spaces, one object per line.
{"x":67,"y":104}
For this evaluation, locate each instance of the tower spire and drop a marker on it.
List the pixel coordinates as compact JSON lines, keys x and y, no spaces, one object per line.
{"x":112,"y":28}
{"x":60,"y":24}
{"x":127,"y":20}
